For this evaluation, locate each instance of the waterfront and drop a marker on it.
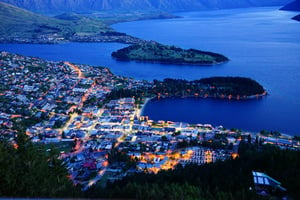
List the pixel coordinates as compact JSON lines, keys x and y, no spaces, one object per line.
{"x":262,"y":43}
{"x":268,"y":54}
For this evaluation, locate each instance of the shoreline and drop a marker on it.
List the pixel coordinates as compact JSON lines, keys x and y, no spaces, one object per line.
{"x":140,"y":111}
{"x":284,"y":135}
{"x":170,"y":63}
{"x":220,"y":97}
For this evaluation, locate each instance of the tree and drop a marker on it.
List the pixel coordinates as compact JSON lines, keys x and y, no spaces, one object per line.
{"x":249,"y":138}
{"x":176,"y":133}
{"x":164,"y":138}
{"x":276,"y":134}
{"x":27,"y":170}
{"x":256,"y":140}
{"x":58,"y":124}
{"x":226,"y":180}
{"x":296,"y":138}
{"x":264,"y":132}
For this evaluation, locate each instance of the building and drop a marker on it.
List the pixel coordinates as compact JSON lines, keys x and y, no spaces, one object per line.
{"x":267,"y":186}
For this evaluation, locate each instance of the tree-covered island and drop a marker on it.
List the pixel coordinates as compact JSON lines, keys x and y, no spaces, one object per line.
{"x":219,"y":87}
{"x":239,"y":88}
{"x":159,"y":53}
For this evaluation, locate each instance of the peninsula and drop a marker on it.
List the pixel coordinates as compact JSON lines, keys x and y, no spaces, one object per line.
{"x":159,"y":53}
{"x":217,"y":87}
{"x":239,"y":88}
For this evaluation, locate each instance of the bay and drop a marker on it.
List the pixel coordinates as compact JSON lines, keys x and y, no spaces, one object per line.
{"x":262,"y":43}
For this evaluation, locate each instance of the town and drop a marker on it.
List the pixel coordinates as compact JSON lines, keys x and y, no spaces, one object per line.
{"x":100,"y":136}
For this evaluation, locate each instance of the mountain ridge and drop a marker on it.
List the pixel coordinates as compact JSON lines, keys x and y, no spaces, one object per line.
{"x":13,"y":18}
{"x":292,"y":6}
{"x":81,"y":6}
{"x":20,"y":25}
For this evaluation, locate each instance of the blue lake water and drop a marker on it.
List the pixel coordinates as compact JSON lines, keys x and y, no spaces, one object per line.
{"x":262,"y":43}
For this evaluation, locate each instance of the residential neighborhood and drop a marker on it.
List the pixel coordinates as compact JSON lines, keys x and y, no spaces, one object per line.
{"x":99,"y":137}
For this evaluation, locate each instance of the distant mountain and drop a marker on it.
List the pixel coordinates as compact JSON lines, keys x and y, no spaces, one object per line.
{"x":81,"y":6}
{"x":293,"y":6}
{"x":23,"y":25}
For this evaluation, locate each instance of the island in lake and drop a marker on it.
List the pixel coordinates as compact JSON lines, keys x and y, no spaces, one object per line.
{"x":159,"y":53}
{"x":239,"y":88}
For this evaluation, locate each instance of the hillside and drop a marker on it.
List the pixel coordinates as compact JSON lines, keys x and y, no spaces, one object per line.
{"x":292,"y":6}
{"x":83,"y":6}
{"x":19,"y":25}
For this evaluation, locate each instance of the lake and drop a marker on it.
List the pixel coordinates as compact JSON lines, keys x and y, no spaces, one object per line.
{"x":262,"y":43}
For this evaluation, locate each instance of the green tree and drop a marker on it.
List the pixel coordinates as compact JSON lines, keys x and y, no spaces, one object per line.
{"x":226,"y":180}
{"x":27,"y":170}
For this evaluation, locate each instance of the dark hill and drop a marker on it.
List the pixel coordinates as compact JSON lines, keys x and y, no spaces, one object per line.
{"x":293,"y":6}
{"x":81,"y":6}
{"x":297,"y":18}
{"x":16,"y":22}
{"x":24,"y":26}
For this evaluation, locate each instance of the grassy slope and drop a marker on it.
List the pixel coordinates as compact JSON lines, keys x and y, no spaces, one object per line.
{"x":16,"y":22}
{"x":116,"y":16}
{"x":84,"y":25}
